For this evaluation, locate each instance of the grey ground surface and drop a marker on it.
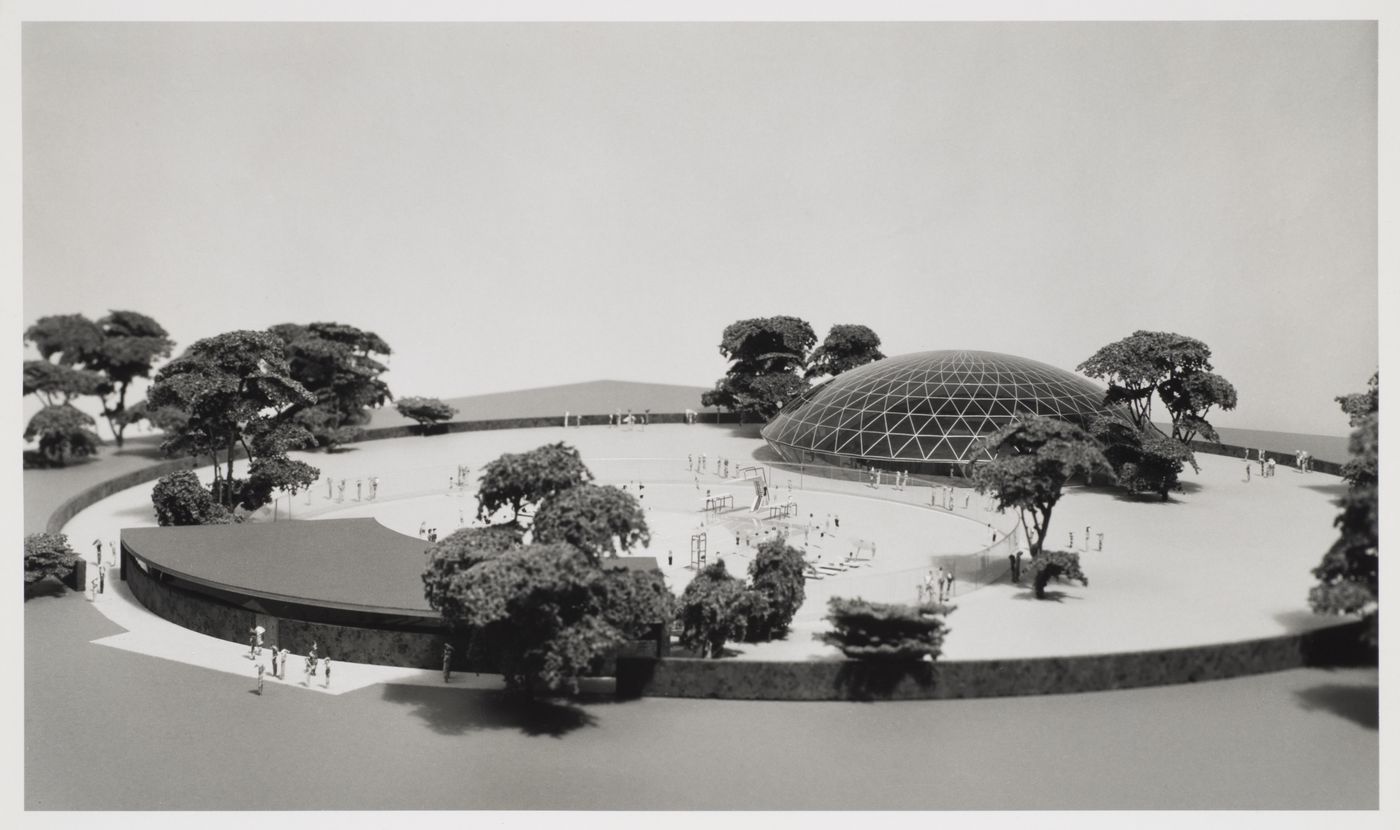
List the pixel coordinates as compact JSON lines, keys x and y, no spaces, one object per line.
{"x":118,"y":730}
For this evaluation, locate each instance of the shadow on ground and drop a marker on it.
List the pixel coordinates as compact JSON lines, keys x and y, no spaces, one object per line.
{"x":1358,"y":704}
{"x":459,"y":711}
{"x":44,"y":588}
{"x":1050,"y":596}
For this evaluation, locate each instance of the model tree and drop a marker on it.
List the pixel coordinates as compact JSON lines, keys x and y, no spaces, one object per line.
{"x":846,"y":347}
{"x":1145,"y":459}
{"x":117,"y":349}
{"x":535,"y":615}
{"x":179,"y":499}
{"x":885,"y":632}
{"x":635,"y":601}
{"x":516,"y":480}
{"x":777,"y":575}
{"x":598,"y":520}
{"x":767,"y":357}
{"x":47,"y":554}
{"x":237,"y":393}
{"x":1151,"y":365}
{"x":63,"y":433}
{"x":712,"y":611}
{"x":426,"y":411}
{"x":338,"y":364}
{"x":131,"y":344}
{"x":55,"y":384}
{"x":1348,"y":577}
{"x":449,"y":559}
{"x":1033,"y":458}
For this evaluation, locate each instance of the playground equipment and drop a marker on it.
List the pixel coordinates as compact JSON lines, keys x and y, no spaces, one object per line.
{"x":782,"y":511}
{"x":699,"y":550}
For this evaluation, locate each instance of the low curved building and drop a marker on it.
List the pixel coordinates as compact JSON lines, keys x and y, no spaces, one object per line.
{"x":924,"y":411}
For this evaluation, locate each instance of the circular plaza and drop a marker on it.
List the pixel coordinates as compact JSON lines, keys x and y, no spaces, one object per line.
{"x":1147,"y":560}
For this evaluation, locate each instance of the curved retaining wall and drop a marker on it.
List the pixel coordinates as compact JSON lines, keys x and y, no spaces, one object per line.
{"x":868,"y":680}
{"x":744,"y":679}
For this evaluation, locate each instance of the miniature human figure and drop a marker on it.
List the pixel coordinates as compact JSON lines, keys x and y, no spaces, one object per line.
{"x":329,"y":486}
{"x":308,"y":670}
{"x":929,"y":591}
{"x":252,"y":641}
{"x":1271,"y":470}
{"x":340,"y":491}
{"x":1086,"y":538}
{"x":447,"y":663}
{"x":97,"y":543}
{"x":1100,"y":547}
{"x":689,"y":462}
{"x":646,"y":418}
{"x":101,"y":579}
{"x":938,"y":583}
{"x":1071,"y":539}
{"x":359,"y":489}
{"x":326,"y":664}
{"x":423,"y":529}
{"x":260,"y":677}
{"x":836,"y":520}
{"x":877,"y":478}
{"x":1262,"y":462}
{"x":284,"y":654}
{"x":1011,"y":560}
{"x":373,"y":487}
{"x":275,"y":655}
{"x":948,"y":585}
{"x":1247,"y":468}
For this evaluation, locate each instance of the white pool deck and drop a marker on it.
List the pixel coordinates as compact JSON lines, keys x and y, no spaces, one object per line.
{"x":1228,"y":560}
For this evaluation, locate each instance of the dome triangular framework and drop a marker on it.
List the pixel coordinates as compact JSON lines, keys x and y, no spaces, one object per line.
{"x":928,"y":406}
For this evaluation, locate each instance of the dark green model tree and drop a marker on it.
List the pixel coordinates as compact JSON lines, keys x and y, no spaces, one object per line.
{"x":426,"y":411}
{"x":63,"y":433}
{"x":1349,"y":575}
{"x":56,"y":385}
{"x":1144,"y":459}
{"x":179,"y":499}
{"x":516,"y":480}
{"x":777,"y":575}
{"x":117,"y":349}
{"x":712,"y":611}
{"x":1033,"y":458}
{"x":449,"y":559}
{"x":47,"y":554}
{"x":237,"y":393}
{"x":600,"y":521}
{"x":768,"y":356}
{"x":338,"y":364}
{"x":847,"y":346}
{"x":885,"y":632}
{"x":1149,"y":365}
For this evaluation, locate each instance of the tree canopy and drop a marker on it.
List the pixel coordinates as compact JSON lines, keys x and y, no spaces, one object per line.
{"x":1143,"y":459}
{"x":778,"y":575}
{"x":237,"y":393}
{"x":56,"y":384}
{"x":711,"y":611}
{"x":63,"y":434}
{"x":847,"y":346}
{"x":598,"y":520}
{"x":1349,"y":574}
{"x":1159,"y":364}
{"x":518,"y":479}
{"x":47,"y":554}
{"x":337,"y":364}
{"x":767,"y":356}
{"x":452,"y":556}
{"x":179,"y":499}
{"x":1033,"y":458}
{"x":885,"y":632}
{"x":426,"y":411}
{"x":114,"y":351}
{"x":536,"y":615}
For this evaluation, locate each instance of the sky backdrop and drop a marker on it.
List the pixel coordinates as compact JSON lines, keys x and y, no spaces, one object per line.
{"x":513,"y":206}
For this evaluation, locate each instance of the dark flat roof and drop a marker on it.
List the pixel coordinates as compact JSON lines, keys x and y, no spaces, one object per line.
{"x":344,"y":563}
{"x":356,"y":564}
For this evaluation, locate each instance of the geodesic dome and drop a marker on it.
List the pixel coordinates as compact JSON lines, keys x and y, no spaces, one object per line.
{"x":925,"y":409}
